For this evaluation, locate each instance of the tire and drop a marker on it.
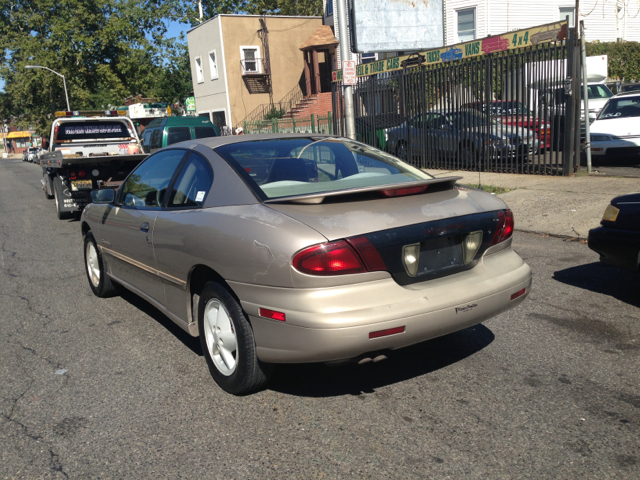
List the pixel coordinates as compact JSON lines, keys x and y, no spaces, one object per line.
{"x":402,"y":150}
{"x":468,"y":155}
{"x":101,"y":285}
{"x":228,"y":344}
{"x":57,"y":189}
{"x":48,"y":187}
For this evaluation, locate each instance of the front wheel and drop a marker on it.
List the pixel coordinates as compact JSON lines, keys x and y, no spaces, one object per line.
{"x":227,"y":341}
{"x":101,"y":285}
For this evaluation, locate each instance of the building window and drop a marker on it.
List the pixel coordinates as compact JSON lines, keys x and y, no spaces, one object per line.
{"x":568,"y":12}
{"x":466,"y":24}
{"x":213,"y":65}
{"x":199,"y":74}
{"x":368,"y":57}
{"x":250,"y":59}
{"x":329,"y":8}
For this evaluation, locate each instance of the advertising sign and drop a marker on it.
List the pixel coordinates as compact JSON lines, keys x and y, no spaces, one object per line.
{"x":190,"y":103}
{"x":552,"y":32}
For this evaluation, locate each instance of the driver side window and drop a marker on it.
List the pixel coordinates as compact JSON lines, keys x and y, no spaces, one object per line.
{"x":147,"y":184}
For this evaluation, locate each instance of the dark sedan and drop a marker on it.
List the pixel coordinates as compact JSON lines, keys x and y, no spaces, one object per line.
{"x":617,"y":240}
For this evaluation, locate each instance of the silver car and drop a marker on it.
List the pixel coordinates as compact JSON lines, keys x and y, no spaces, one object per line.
{"x":289,"y":248}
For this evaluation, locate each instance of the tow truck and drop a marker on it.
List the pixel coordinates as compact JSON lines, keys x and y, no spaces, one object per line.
{"x":88,"y":150}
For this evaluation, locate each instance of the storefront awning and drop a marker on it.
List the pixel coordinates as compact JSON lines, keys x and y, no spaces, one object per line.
{"x":18,"y":134}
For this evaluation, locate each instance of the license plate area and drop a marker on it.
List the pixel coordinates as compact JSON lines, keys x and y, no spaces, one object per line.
{"x":81,"y":185}
{"x":437,"y":254}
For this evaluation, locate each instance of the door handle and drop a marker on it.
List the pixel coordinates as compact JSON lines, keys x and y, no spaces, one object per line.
{"x":144,"y":227}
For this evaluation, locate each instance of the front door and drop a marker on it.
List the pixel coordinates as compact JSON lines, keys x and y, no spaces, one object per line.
{"x":129,"y":238}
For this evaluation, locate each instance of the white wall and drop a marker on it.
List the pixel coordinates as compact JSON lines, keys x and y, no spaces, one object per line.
{"x":495,"y":17}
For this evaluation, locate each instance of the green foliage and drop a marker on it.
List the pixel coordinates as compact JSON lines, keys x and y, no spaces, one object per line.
{"x":258,"y":7}
{"x":623,"y":58}
{"x":274,"y":113}
{"x":106,"y":50}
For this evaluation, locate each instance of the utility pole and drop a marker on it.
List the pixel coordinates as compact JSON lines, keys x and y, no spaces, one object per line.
{"x":345,"y":54}
{"x":585,"y":96}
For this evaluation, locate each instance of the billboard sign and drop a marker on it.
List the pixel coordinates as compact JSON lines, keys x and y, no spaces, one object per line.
{"x":553,"y":32}
{"x":400,"y":25}
{"x":190,"y":103}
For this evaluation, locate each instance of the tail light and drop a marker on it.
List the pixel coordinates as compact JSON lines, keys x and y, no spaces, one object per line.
{"x":72,"y":175}
{"x":82,"y":174}
{"x":355,"y":255}
{"x":400,"y":192}
{"x":335,"y":258}
{"x":504,"y":227}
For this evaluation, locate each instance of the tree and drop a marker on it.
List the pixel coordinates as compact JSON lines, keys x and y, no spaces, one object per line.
{"x":107,"y":50}
{"x":257,"y":7}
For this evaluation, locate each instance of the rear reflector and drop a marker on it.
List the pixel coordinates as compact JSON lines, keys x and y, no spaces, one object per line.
{"x":404,"y":191}
{"x":266,"y":313}
{"x":384,"y":333}
{"x":519,"y":293}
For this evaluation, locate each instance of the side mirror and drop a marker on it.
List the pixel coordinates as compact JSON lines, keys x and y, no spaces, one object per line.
{"x":107,"y":195}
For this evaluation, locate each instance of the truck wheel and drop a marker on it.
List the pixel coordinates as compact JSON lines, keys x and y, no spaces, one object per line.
{"x":48,"y":187}
{"x":227,"y":341}
{"x":57,"y":194}
{"x":101,"y":285}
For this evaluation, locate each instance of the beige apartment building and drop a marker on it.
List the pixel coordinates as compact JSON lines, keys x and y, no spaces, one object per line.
{"x":240,"y":63}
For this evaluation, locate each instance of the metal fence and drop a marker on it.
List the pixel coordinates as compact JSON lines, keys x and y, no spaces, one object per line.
{"x":313,"y":124}
{"x":499,"y":112}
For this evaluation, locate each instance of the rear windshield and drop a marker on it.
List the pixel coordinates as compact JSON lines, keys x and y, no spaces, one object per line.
{"x":298,"y":166}
{"x":621,"y":108}
{"x":89,"y":130}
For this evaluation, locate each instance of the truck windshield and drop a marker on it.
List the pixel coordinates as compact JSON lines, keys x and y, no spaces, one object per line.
{"x":91,"y":130}
{"x":621,"y":108}
{"x":597,"y":91}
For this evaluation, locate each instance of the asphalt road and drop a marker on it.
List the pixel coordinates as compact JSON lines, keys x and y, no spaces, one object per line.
{"x":95,"y":388}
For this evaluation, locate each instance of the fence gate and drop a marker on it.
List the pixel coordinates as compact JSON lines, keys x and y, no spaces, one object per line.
{"x":497,"y":104}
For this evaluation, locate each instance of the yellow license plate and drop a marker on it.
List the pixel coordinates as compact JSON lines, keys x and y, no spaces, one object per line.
{"x":81,"y":185}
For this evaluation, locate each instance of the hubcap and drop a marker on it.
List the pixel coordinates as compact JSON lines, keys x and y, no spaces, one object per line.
{"x":221,"y":337}
{"x":93,"y":266}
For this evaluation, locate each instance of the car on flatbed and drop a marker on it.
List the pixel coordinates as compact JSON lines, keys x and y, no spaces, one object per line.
{"x":301,"y":248}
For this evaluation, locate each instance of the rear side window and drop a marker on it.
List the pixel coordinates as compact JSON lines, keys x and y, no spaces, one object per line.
{"x":156,"y":139}
{"x":88,"y":130}
{"x":178,"y":134}
{"x":204,"y":132}
{"x":193,"y":183}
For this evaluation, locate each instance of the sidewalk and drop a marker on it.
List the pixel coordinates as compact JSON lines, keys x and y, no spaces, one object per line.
{"x":564,"y":206}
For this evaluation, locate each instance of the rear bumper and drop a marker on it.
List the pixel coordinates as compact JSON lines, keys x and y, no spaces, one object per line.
{"x":620,"y":248}
{"x":334,"y":323}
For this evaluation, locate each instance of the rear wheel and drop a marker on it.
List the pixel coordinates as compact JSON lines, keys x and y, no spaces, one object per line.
{"x":48,"y":187}
{"x":101,"y":285}
{"x":402,"y":150}
{"x":227,"y":341}
{"x":468,"y":155}
{"x":57,"y":194}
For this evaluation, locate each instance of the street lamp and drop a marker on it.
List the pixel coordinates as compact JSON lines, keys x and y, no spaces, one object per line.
{"x":63,"y":81}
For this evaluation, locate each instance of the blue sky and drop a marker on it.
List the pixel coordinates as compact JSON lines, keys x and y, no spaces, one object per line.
{"x":174,"y":29}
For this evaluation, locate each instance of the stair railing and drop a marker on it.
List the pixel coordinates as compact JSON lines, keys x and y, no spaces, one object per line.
{"x":285,"y":105}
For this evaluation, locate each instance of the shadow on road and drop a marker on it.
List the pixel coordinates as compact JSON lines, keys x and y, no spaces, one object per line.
{"x":320,"y":380}
{"x":599,"y":278}
{"x":193,"y":343}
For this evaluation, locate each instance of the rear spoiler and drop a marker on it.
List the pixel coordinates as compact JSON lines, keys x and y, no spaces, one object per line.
{"x":57,"y":160}
{"x":444,"y":183}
